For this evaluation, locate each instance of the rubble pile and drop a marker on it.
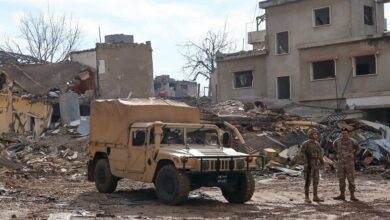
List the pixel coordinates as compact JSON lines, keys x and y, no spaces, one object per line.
{"x":374,"y":140}
{"x":60,"y":154}
{"x":277,"y":134}
{"x":273,"y":133}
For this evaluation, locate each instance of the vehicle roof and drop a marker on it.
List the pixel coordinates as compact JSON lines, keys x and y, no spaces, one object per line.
{"x":110,"y":119}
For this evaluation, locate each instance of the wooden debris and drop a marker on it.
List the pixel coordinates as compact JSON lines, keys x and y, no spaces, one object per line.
{"x":269,"y":152}
{"x":344,"y":125}
{"x":367,"y":161}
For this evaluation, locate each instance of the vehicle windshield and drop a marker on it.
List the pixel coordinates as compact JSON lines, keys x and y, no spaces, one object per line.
{"x":202,"y":136}
{"x":194,"y":136}
{"x":172,"y":136}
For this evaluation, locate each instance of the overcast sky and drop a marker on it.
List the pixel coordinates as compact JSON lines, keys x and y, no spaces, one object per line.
{"x":166,"y":23}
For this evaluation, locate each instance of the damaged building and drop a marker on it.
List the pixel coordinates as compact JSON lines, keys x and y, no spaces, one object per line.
{"x":123,"y":67}
{"x":164,"y":86}
{"x":33,"y":96}
{"x":330,"y":53}
{"x":7,"y":57}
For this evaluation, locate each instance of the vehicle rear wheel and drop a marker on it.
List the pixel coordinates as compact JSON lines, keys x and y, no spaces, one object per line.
{"x":242,"y":191}
{"x":172,"y":186}
{"x":105,"y":182}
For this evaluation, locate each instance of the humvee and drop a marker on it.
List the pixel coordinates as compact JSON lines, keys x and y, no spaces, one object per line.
{"x":163,"y":142}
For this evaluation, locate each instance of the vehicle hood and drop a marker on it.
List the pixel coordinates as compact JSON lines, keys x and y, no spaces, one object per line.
{"x":200,"y":151}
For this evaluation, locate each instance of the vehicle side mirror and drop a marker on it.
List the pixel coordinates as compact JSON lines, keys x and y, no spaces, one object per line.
{"x":226,"y":139}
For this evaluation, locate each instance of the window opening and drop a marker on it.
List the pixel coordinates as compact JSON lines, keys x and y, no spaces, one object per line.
{"x":324,"y":69}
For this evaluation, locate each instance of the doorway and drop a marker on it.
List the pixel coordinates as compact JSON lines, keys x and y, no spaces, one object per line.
{"x":283,"y":87}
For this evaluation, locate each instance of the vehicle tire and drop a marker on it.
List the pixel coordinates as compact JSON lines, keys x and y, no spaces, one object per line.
{"x":242,"y":191}
{"x":105,"y":182}
{"x":172,"y":186}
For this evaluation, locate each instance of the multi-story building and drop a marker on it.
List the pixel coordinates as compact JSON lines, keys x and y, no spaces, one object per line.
{"x":164,"y":86}
{"x":332,"y":53}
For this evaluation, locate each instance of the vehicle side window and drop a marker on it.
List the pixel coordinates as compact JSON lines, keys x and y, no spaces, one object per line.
{"x":172,"y":136}
{"x":139,"y":137}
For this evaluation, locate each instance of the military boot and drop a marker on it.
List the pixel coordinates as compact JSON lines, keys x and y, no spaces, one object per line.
{"x":340,"y":197}
{"x":315,"y":196}
{"x":307,"y":197}
{"x":353,"y":198}
{"x":342,"y":194}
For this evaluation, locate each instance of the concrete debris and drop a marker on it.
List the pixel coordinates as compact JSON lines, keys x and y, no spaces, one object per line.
{"x":292,"y":152}
{"x":69,"y":108}
{"x":386,"y":174}
{"x":55,"y":131}
{"x":83,"y":128}
{"x":60,"y":154}
{"x":286,"y":171}
{"x":74,"y":123}
{"x":54,"y":94}
{"x":36,"y":158}
{"x":73,"y":157}
{"x":277,"y":133}
{"x":284,"y":154}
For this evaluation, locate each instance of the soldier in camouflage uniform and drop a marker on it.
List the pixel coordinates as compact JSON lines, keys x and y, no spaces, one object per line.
{"x":312,"y":154}
{"x":346,"y":149}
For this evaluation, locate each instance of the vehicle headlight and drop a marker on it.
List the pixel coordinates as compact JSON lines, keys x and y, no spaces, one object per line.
{"x":204,"y":165}
{"x":240,"y":164}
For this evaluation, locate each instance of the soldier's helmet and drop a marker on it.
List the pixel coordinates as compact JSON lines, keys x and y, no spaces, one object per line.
{"x":311,"y":132}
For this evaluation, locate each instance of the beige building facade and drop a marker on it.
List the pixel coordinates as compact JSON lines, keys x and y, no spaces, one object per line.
{"x":331,"y":53}
{"x":240,"y":76}
{"x":123,"y":67}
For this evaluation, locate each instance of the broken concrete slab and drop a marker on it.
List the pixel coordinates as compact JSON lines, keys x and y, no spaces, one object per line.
{"x":75,"y":123}
{"x":292,"y":152}
{"x":287,"y":171}
{"x":83,"y":128}
{"x":69,"y":107}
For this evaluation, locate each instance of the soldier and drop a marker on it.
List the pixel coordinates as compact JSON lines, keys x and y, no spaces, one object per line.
{"x":312,"y":154}
{"x":346,"y":149}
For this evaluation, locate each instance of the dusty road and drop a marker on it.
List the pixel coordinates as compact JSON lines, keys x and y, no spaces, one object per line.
{"x":61,"y":197}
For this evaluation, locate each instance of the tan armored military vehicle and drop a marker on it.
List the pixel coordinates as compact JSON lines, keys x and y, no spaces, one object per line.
{"x":163,"y":142}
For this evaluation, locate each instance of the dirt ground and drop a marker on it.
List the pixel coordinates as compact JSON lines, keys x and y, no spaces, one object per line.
{"x":61,"y":197}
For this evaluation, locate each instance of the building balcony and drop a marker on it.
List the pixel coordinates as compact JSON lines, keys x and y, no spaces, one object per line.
{"x":257,"y":39}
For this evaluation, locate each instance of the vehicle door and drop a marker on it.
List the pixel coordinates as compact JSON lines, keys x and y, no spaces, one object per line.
{"x":137,"y":150}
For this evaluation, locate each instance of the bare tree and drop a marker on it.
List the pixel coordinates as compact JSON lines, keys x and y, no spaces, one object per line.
{"x":200,"y":58}
{"x":46,"y":37}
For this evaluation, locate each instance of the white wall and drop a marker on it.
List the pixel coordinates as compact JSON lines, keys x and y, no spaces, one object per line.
{"x":87,"y":58}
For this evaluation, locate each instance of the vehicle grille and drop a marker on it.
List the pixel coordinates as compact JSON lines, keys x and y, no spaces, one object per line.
{"x":221,"y":164}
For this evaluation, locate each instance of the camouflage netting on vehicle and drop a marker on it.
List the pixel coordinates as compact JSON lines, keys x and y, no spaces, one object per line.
{"x":110,"y":119}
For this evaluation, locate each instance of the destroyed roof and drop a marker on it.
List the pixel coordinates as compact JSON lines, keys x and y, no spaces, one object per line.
{"x":38,"y":79}
{"x":240,"y":55}
{"x":16,"y":58}
{"x":272,"y":3}
{"x":145,"y":102}
{"x":83,"y":51}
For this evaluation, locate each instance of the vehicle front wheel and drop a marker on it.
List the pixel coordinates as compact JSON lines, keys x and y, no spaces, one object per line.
{"x":105,"y":182}
{"x":172,"y":186}
{"x":242,"y":191}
